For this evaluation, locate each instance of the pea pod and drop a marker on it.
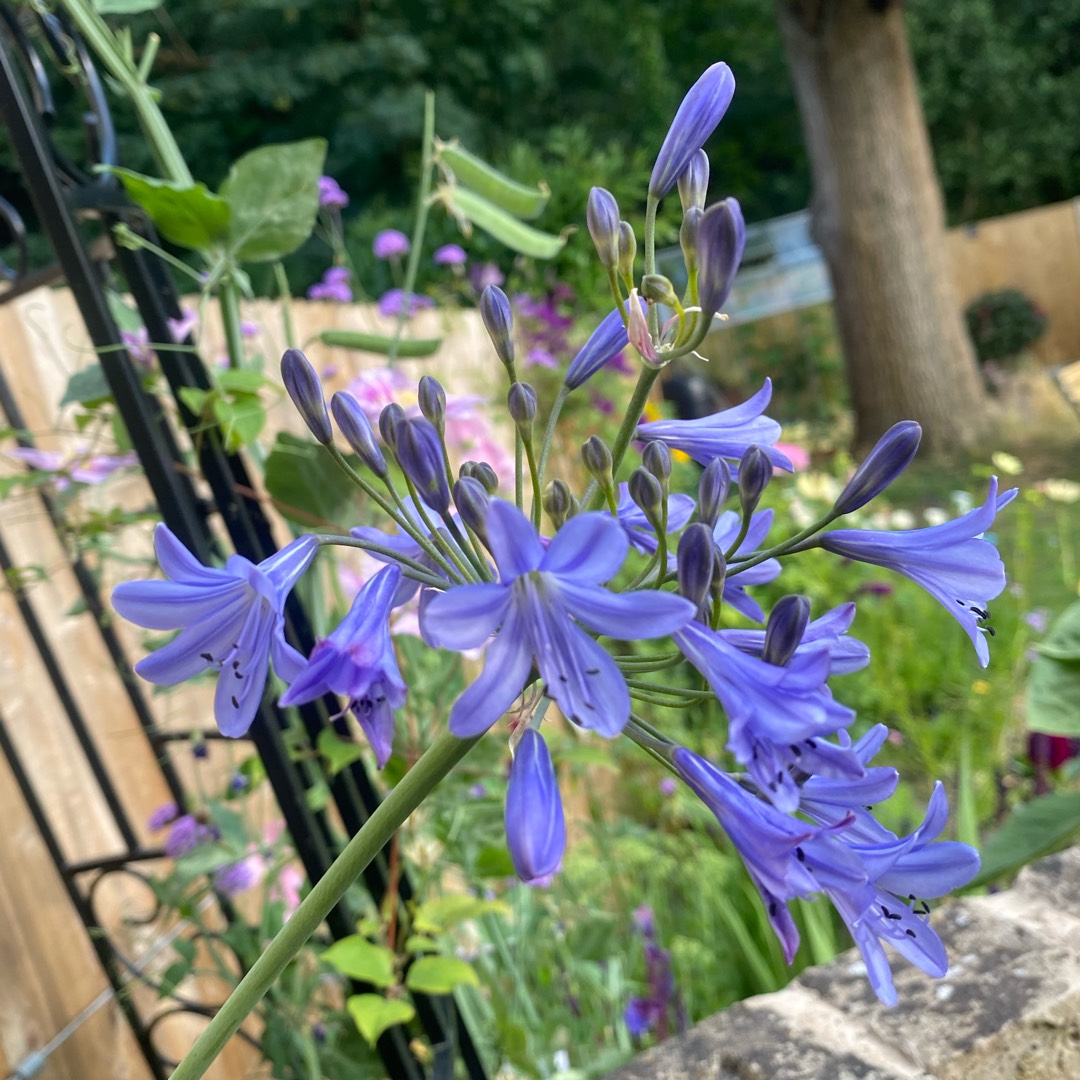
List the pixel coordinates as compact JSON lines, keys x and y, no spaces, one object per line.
{"x":411,"y":348}
{"x":477,"y":175}
{"x":472,"y":209}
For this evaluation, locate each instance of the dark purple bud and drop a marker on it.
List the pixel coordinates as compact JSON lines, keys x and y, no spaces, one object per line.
{"x":353,"y":423}
{"x":719,"y":573}
{"x":472,"y":503}
{"x":390,"y":421}
{"x":688,"y":236}
{"x":720,"y":242}
{"x":604,"y":344}
{"x":696,"y":564}
{"x":305,"y":388}
{"x":889,"y":458}
{"x":755,"y":472}
{"x":559,"y":503}
{"x":785,"y":628}
{"x":656,"y":457}
{"x":701,"y":110}
{"x":420,"y":454}
{"x":658,"y":289}
{"x":646,"y":491}
{"x":694,"y":182}
{"x":535,"y":826}
{"x":713,"y":491}
{"x":602,"y":215}
{"x":499,"y":320}
{"x":597,"y":458}
{"x":627,"y":250}
{"x":521,"y":401}
{"x":431,"y":398}
{"x":487,"y":476}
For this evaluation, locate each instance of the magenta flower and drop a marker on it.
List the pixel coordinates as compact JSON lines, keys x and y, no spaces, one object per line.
{"x":333,"y":286}
{"x":390,"y":244}
{"x":450,"y":255}
{"x":331,"y":195}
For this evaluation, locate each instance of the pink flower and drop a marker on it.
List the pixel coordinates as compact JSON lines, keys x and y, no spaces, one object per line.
{"x":82,"y":467}
{"x":484,"y":275}
{"x":287,"y":889}
{"x":331,"y":195}
{"x":450,"y":255}
{"x":333,"y":286}
{"x":392,"y":301}
{"x":638,"y":329}
{"x":797,"y":455}
{"x":390,"y":244}
{"x":138,"y":345}
{"x":181,"y":329}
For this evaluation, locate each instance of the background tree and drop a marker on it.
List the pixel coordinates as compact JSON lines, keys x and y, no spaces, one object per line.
{"x":878,"y":217}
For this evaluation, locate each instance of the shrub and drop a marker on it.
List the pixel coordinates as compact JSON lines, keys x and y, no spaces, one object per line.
{"x":1003,"y":324}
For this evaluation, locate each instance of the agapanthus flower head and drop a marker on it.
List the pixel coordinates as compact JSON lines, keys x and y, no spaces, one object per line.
{"x":450,"y":255}
{"x":357,"y":662}
{"x":951,"y":562}
{"x":231,"y":618}
{"x":535,"y":825}
{"x":331,"y":194}
{"x":727,"y":434}
{"x":640,"y":532}
{"x":696,"y":119}
{"x":542,"y":601}
{"x":721,"y":237}
{"x":390,"y":244}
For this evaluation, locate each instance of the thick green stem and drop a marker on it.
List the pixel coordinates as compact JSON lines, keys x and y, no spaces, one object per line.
{"x":231,"y":321}
{"x":417,"y":784}
{"x":422,"y":208}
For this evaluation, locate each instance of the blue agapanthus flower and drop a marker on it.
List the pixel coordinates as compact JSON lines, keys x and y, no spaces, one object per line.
{"x":950,"y":561}
{"x":357,"y":662}
{"x":639,"y":531}
{"x":542,"y":601}
{"x":231,"y":618}
{"x":726,"y":434}
{"x":725,"y":533}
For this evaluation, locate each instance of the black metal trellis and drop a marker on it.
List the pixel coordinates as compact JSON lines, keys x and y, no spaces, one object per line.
{"x":58,"y":188}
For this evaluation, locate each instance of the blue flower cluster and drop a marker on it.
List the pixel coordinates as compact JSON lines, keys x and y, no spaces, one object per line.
{"x":794,"y":796}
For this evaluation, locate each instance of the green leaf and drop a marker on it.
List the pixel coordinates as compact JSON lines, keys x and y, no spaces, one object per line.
{"x":305,"y":484}
{"x":125,"y":316}
{"x":409,"y":348}
{"x":440,"y":975}
{"x":317,"y":797}
{"x":241,"y":418}
{"x":1036,"y":828}
{"x":1053,"y":696}
{"x":373,"y":1014}
{"x":446,"y":911}
{"x":360,"y":959}
{"x":189,"y":215}
{"x":87,"y":387}
{"x":205,"y":860}
{"x":241,"y":380}
{"x":194,"y":398}
{"x":1063,"y":641}
{"x":420,"y":944}
{"x":173,"y":976}
{"x":273,"y":196}
{"x":493,"y":861}
{"x":339,"y":753}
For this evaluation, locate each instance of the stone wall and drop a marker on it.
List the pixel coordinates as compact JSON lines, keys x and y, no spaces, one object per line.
{"x":1009,"y":1008}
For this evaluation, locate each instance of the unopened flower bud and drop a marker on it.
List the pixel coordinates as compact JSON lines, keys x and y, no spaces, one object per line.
{"x":604,"y":344}
{"x":487,"y":476}
{"x":420,"y":454}
{"x":719,"y":574}
{"x":713,"y":491}
{"x":688,"y":236}
{"x":627,"y":250}
{"x":646,"y":491}
{"x":499,"y":321}
{"x":472,"y":503}
{"x":559,"y":503}
{"x":694,"y":182}
{"x":431,"y":398}
{"x":698,"y":114}
{"x":657,"y":288}
{"x":354,"y":425}
{"x":696,"y":564}
{"x":305,"y":388}
{"x":656,"y":457}
{"x":785,"y":628}
{"x":521,"y":402}
{"x":602,"y":215}
{"x":535,"y":826}
{"x":390,"y":420}
{"x":755,"y":472}
{"x":720,"y":242}
{"x":597,"y":459}
{"x":889,"y":458}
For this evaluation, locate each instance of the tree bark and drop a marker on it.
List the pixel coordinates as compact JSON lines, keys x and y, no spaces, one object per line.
{"x":877,"y":215}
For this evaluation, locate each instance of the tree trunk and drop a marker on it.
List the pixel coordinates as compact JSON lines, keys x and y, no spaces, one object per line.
{"x":878,"y":217}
